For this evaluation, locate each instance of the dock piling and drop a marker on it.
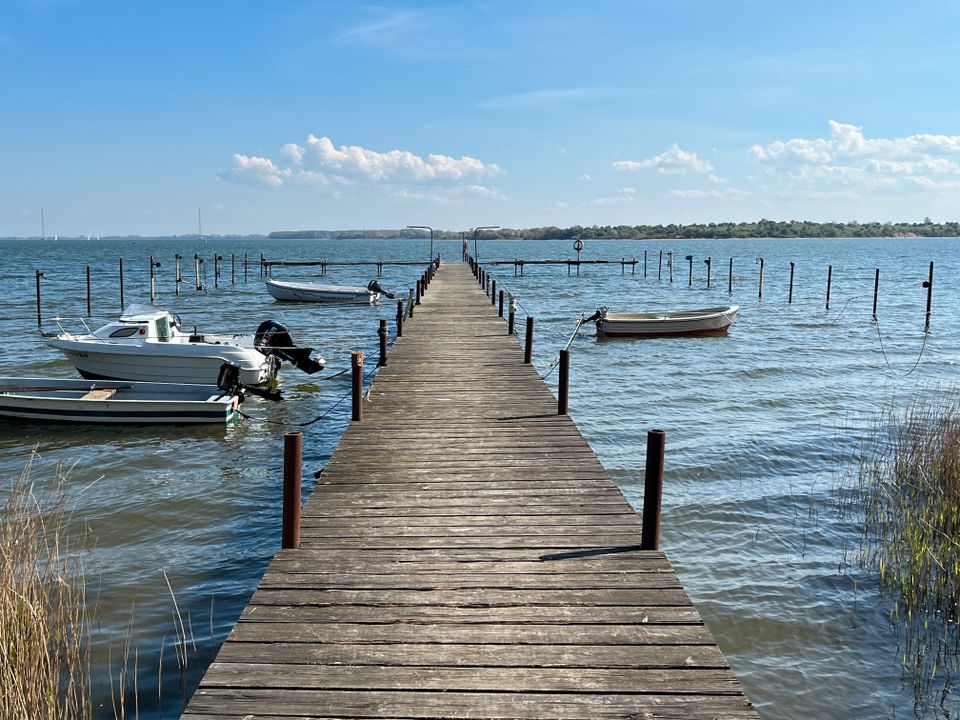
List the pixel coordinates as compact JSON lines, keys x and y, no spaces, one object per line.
{"x":121,"y":283}
{"x":829,"y":282}
{"x":512,"y":319}
{"x":399,"y":318}
{"x":730,"y":279}
{"x":356,"y":365}
{"x":493,"y":292}
{"x":88,"y":291}
{"x":790,"y":292}
{"x":382,"y":332}
{"x":292,"y":481}
{"x":928,"y":284}
{"x":652,"y":491}
{"x":528,"y":342}
{"x":500,"y":311}
{"x":709,"y":263}
{"x":563,"y":383}
{"x":39,"y":313}
{"x":760,"y":283}
{"x":876,"y":291}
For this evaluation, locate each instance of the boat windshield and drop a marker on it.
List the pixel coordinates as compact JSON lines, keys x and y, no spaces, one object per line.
{"x":163,"y":329}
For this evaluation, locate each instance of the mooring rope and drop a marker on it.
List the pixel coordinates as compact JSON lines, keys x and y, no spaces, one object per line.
{"x":556,"y":360}
{"x":923,"y":346}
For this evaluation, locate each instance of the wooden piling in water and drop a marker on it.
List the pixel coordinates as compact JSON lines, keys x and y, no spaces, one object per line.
{"x":652,"y":491}
{"x":528,"y":342}
{"x":121,"y":284}
{"x":928,"y":284}
{"x":563,"y":383}
{"x":399,"y":318}
{"x":292,"y":483}
{"x":760,"y":283}
{"x":39,"y":312}
{"x":382,"y":333}
{"x":88,"y":291}
{"x":876,"y":291}
{"x":709,"y":263}
{"x":730,"y":279}
{"x":493,"y":293}
{"x":356,"y":366}
{"x":829,"y":282}
{"x":790,"y":292}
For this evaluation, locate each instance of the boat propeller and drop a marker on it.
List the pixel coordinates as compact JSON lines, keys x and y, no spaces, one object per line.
{"x":272,"y":338}
{"x":374,"y":286}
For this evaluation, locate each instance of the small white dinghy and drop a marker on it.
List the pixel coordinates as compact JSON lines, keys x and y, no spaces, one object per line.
{"x":85,"y":401}
{"x":679,"y":323}
{"x":319,"y":293}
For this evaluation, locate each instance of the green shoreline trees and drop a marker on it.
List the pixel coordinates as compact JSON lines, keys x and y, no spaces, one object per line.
{"x":760,"y":229}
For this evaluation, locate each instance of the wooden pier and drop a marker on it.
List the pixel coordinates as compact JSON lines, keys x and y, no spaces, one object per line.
{"x":465,"y":555}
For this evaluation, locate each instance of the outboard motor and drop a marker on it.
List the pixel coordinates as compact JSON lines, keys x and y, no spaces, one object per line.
{"x":272,"y":338}
{"x":228,"y":381}
{"x":600,"y":313}
{"x":374,"y":286}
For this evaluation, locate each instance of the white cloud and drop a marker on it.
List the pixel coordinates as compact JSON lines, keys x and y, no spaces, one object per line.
{"x":255,"y":171}
{"x":848,"y":163}
{"x":675,"y":160}
{"x":320,"y":164}
{"x":624,"y":196}
{"x":726,"y":194}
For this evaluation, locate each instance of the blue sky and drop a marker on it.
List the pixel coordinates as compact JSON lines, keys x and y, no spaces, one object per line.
{"x":127,"y":117}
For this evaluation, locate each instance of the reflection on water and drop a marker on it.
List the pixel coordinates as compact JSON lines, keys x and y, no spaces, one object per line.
{"x":753,"y":420}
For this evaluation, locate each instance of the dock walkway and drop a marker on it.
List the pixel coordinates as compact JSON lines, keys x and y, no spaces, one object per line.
{"x":465,"y":555}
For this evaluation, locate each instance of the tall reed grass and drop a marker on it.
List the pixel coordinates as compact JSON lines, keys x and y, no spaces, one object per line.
{"x":44,"y":630}
{"x":908,"y":491}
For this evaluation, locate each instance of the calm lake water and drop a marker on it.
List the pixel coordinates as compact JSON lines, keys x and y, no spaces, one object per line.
{"x":760,"y":427}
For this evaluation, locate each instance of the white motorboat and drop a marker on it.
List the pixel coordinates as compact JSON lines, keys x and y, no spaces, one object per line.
{"x":86,"y":401}
{"x":325,"y":293}
{"x":678,"y":323}
{"x":147,"y":344}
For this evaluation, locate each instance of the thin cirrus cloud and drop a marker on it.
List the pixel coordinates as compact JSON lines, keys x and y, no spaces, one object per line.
{"x":674,"y":161}
{"x":320,"y":163}
{"x":540,"y":98}
{"x":848,"y":158}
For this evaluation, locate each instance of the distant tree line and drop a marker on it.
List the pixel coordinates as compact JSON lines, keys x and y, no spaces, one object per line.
{"x":760,"y":229}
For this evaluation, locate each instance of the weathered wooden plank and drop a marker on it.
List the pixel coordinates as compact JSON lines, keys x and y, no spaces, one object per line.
{"x":501,"y":706}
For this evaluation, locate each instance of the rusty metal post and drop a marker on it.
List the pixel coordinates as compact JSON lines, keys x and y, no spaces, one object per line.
{"x":928,"y":284}
{"x":653,"y":491}
{"x":500,"y":311}
{"x":292,"y":474}
{"x":829,"y":282}
{"x":399,"y":318}
{"x":382,"y":332}
{"x":563,"y":384}
{"x":876,"y":291}
{"x":528,"y":342}
{"x":790,"y":293}
{"x":88,"y":291}
{"x":356,"y":364}
{"x":39,"y":314}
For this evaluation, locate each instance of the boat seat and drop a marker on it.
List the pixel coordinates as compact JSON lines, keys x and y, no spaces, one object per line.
{"x":100,"y":394}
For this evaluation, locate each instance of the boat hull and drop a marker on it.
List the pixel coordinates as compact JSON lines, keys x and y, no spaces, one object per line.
{"x":689,"y":323}
{"x":191,"y":363}
{"x":308,"y":292}
{"x":70,"y":401}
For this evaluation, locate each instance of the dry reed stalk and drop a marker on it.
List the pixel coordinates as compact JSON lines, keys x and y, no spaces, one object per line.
{"x":44,"y":633}
{"x":908,"y":492}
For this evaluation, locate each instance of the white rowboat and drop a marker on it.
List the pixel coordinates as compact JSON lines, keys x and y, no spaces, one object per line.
{"x":324,"y":293}
{"x":680,"y":323}
{"x":83,"y":401}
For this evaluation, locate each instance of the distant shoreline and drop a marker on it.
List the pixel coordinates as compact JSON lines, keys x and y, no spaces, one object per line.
{"x":704,"y":231}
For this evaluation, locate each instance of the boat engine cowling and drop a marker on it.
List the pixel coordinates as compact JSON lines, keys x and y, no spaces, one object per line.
{"x":272,"y":338}
{"x":374,"y":286}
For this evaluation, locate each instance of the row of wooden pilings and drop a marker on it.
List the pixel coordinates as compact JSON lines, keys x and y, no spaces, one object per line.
{"x":656,"y":439}
{"x":154,"y":263}
{"x":293,"y":441}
